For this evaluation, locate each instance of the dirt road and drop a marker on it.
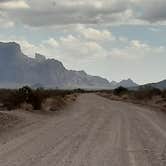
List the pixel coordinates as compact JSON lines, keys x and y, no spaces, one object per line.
{"x":94,"y":131}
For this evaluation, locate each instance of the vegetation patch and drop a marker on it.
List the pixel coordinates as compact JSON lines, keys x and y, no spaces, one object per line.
{"x":34,"y":99}
{"x":146,"y":95}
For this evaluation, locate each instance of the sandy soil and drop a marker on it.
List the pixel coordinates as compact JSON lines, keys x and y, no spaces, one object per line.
{"x":93,"y":131}
{"x":7,"y":121}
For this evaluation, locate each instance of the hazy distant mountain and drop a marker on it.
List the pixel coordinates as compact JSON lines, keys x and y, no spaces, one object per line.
{"x":160,"y":85}
{"x":17,"y":69}
{"x":125,"y":83}
{"x":113,"y":84}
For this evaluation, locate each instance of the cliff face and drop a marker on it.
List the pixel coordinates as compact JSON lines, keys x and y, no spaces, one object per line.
{"x":18,"y":69}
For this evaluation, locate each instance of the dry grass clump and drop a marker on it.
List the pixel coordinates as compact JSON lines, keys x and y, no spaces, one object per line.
{"x":71,"y":98}
{"x":26,"y":107}
{"x":56,"y":103}
{"x":53,"y":104}
{"x":125,"y":97}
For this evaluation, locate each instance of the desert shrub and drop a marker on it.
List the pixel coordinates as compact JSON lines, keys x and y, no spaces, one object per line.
{"x":146,"y":93}
{"x":13,"y":99}
{"x":9,"y":100}
{"x":37,"y":98}
{"x":163,"y":94}
{"x":155,"y":92}
{"x":80,"y":91}
{"x":120,"y":91}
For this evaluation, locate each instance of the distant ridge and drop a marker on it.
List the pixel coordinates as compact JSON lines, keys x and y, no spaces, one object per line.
{"x":160,"y":85}
{"x":125,"y":83}
{"x":17,"y":69}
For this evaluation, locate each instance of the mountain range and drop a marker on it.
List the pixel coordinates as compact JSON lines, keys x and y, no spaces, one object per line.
{"x":125,"y":83}
{"x":160,"y":85}
{"x":18,"y":69}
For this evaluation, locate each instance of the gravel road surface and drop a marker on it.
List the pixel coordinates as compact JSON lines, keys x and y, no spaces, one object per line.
{"x":93,"y":131}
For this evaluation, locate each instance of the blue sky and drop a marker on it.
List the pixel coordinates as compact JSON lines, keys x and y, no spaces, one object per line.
{"x":116,"y":39}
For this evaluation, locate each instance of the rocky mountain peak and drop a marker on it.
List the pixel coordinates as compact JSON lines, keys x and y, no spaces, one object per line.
{"x":11,"y":47}
{"x":40,"y":58}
